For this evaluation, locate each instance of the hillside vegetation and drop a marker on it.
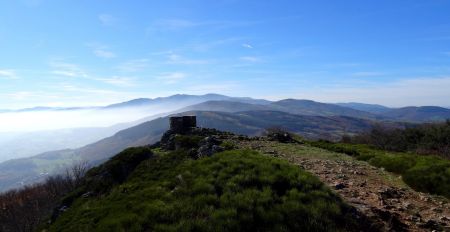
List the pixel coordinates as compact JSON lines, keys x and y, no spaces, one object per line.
{"x":237,"y":190}
{"x":421,"y":139}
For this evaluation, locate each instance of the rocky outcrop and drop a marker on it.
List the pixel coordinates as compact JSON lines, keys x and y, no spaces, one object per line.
{"x":201,"y":142}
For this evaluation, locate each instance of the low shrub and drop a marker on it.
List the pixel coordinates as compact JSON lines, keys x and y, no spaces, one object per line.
{"x":230,"y":191}
{"x":422,"y":172}
{"x":187,"y":141}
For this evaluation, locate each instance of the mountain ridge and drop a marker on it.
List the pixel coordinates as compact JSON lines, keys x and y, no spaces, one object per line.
{"x":248,"y":123}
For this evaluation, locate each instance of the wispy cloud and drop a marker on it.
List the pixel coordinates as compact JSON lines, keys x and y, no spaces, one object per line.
{"x":172,"y":78}
{"x":178,"y":59}
{"x":67,"y":69}
{"x":20,"y":95}
{"x":107,"y":19}
{"x":247,"y":46}
{"x":180,"y":24}
{"x":118,"y":81}
{"x":101,"y":50}
{"x":213,"y":44}
{"x":134,"y":65}
{"x":8,"y":74}
{"x":213,"y":88}
{"x":84,"y":89}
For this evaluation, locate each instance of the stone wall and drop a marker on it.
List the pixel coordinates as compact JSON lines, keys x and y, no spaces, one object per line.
{"x":182,"y":124}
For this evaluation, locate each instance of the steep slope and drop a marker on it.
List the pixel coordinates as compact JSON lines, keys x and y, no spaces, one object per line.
{"x":371,"y":108}
{"x":247,"y":123}
{"x":419,"y":114}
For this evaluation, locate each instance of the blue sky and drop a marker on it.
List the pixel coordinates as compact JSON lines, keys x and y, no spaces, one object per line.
{"x":94,"y":52}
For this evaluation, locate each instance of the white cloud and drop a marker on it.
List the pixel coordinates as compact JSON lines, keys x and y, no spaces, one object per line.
{"x":104,"y":53}
{"x":180,"y":24}
{"x":247,"y":46}
{"x":107,"y":19}
{"x":118,"y":81}
{"x":178,"y":59}
{"x":172,"y":78}
{"x":134,"y":65}
{"x":101,"y":50}
{"x":67,"y":69}
{"x":8,"y":74}
{"x":223,"y":88}
{"x":21,"y":95}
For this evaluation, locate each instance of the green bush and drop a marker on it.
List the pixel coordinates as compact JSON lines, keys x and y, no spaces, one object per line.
{"x":228,"y":145}
{"x":394,"y":163}
{"x":430,"y":175}
{"x":187,"y":141}
{"x":422,"y":172}
{"x":230,"y":191}
{"x":340,"y":148}
{"x":116,"y":170}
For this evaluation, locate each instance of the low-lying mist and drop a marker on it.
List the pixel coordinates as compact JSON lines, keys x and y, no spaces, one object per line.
{"x":24,"y":134}
{"x":59,"y":119}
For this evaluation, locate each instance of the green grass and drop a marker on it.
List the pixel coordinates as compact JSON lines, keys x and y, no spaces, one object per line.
{"x":423,"y":173}
{"x":238,"y":190}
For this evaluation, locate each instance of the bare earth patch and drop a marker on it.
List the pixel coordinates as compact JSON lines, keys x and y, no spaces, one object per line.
{"x":380,"y":195}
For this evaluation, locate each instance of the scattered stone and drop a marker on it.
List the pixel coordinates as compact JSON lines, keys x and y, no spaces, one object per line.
{"x":279,"y":135}
{"x":208,"y":147}
{"x":86,"y":195}
{"x":389,"y":193}
{"x":339,"y":186}
{"x":63,"y":208}
{"x":431,"y":224}
{"x":407,"y":205}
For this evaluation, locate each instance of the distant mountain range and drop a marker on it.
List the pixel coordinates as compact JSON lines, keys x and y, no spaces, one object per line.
{"x":303,"y":107}
{"x":14,"y":173}
{"x":239,"y":115}
{"x":409,"y":114}
{"x":419,"y":114}
{"x":371,"y":108}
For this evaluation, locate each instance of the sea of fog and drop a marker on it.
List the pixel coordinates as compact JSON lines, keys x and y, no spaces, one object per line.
{"x":14,"y":122}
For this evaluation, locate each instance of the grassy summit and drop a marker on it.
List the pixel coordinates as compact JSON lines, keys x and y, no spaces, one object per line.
{"x":237,"y":190}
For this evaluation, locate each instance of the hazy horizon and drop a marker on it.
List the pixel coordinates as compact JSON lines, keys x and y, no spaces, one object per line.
{"x":87,"y":106}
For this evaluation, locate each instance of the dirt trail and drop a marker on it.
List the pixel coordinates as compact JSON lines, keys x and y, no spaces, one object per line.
{"x":380,"y":195}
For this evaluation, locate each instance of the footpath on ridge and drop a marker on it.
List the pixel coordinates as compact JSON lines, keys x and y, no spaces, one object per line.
{"x":380,"y":195}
